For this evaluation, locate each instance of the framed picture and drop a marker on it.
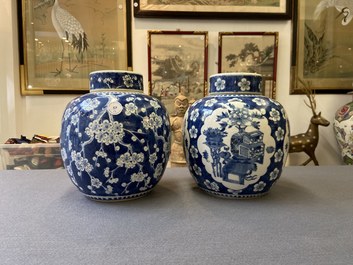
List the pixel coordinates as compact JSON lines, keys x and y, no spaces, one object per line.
{"x":216,"y":9}
{"x":177,"y":64}
{"x":322,"y":47}
{"x":252,"y":52}
{"x":61,"y":42}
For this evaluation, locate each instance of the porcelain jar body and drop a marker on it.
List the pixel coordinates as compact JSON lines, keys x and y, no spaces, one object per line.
{"x":343,"y":129}
{"x":115,"y":141}
{"x":236,"y":140}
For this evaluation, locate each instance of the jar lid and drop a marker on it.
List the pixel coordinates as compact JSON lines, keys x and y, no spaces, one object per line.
{"x":235,"y":82}
{"x":115,"y":79}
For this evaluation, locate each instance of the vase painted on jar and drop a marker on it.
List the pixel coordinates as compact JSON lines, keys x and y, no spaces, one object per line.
{"x":343,"y":129}
{"x":236,"y":140}
{"x":115,"y":141}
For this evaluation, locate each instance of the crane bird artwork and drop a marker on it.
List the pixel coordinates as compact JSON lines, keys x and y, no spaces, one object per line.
{"x":70,"y":30}
{"x":345,"y":7}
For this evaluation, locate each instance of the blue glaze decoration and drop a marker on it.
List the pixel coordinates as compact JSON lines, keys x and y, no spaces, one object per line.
{"x":115,"y":79}
{"x":236,"y":144}
{"x":115,"y":145}
{"x":230,"y":83}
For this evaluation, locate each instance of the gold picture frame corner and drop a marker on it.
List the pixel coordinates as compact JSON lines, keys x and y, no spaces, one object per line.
{"x":23,"y":85}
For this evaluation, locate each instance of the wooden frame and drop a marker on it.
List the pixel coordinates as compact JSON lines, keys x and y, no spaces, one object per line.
{"x":216,"y":9}
{"x":177,"y":64}
{"x":56,"y":63}
{"x":254,"y":52}
{"x":322,"y":55}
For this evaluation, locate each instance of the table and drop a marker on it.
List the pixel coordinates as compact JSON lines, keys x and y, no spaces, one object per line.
{"x":307,"y":218}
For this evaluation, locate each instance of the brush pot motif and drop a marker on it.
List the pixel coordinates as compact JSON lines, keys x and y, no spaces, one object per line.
{"x":236,"y":140}
{"x":115,"y":141}
{"x":343,"y":129}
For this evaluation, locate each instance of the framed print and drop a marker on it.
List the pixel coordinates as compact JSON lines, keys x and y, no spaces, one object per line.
{"x":217,"y":9}
{"x":322,"y":47}
{"x":252,"y":52}
{"x":177,"y":64}
{"x":61,"y":42}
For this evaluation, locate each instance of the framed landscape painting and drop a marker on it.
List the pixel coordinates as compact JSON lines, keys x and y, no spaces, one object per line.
{"x":252,"y":52}
{"x":216,"y":9}
{"x":322,"y":47}
{"x":177,"y":64}
{"x":61,"y":42}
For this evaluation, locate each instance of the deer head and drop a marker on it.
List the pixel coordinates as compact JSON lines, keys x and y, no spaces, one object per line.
{"x":316,"y":119}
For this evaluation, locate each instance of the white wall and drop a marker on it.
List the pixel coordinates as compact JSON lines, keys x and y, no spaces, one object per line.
{"x":42,"y":114}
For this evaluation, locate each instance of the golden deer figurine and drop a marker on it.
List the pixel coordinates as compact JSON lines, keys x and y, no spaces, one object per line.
{"x":307,"y":142}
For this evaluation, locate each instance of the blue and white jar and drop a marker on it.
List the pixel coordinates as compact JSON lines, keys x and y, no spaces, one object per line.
{"x":115,"y":141}
{"x":343,"y":129}
{"x":236,"y":140}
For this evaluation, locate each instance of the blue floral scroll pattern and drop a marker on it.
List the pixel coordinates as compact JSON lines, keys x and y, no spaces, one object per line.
{"x":210,"y":151}
{"x":115,"y":79}
{"x":115,"y":144}
{"x":223,"y":83}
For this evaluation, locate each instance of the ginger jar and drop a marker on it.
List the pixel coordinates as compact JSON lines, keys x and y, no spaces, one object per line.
{"x":115,"y":140}
{"x":235,"y":139}
{"x":343,"y":129}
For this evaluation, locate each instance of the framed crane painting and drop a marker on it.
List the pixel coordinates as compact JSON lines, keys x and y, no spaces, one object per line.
{"x":62,"y":41}
{"x":177,"y":65}
{"x":322,"y":46}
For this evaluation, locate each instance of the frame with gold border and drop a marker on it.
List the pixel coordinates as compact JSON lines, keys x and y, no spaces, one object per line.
{"x":216,"y":9}
{"x":50,"y":65}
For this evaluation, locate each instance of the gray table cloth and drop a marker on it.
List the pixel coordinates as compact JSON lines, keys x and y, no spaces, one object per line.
{"x":307,"y":218}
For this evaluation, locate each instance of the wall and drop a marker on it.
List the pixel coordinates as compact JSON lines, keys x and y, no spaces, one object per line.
{"x":8,"y":75}
{"x":42,"y":114}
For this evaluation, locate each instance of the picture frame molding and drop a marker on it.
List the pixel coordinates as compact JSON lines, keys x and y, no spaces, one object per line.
{"x":166,"y":33}
{"x":297,"y":79}
{"x":25,"y":56}
{"x":144,"y":10}
{"x":273,"y":90}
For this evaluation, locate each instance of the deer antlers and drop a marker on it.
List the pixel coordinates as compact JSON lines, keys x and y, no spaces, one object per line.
{"x":310,"y":94}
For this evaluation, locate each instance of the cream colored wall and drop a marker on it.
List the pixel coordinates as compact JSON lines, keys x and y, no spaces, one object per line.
{"x":42,"y":114}
{"x":8,"y":77}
